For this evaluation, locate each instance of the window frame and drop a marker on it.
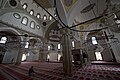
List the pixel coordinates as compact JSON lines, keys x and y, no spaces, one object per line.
{"x":31,"y":24}
{"x":73,"y":44}
{"x":16,"y":14}
{"x":3,"y":41}
{"x":44,"y":17}
{"x":98,"y":56}
{"x":24,"y":5}
{"x":24,"y":17}
{"x":32,"y":11}
{"x":37,"y":27}
{"x":49,"y":47}
{"x":27,"y":45}
{"x":39,"y":16}
{"x":50,"y":17}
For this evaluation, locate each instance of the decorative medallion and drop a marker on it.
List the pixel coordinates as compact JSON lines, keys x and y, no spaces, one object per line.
{"x":88,"y":8}
{"x":13,"y":3}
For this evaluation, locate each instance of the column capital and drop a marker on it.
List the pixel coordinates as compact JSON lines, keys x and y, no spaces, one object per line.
{"x":64,"y":31}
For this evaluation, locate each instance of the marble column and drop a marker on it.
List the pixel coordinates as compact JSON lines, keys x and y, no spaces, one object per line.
{"x":66,"y":48}
{"x":41,"y":55}
{"x":19,"y":57}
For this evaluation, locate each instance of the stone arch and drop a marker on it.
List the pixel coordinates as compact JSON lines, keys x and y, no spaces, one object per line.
{"x":52,"y":26}
{"x":74,"y":12}
{"x":32,"y":41}
{"x":53,"y":33}
{"x":92,"y":26}
{"x":12,"y":30}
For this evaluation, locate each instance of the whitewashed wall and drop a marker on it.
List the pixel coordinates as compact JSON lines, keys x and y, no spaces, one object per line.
{"x":9,"y":55}
{"x":36,"y":8}
{"x":32,"y":57}
{"x":53,"y":55}
{"x":11,"y":20}
{"x":116,"y":47}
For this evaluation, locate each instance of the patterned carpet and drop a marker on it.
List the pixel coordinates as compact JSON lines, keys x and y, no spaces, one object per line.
{"x":2,"y":77}
{"x":54,"y":71}
{"x":99,"y":72}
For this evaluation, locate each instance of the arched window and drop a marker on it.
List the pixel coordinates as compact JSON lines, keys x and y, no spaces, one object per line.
{"x":25,"y":6}
{"x":32,"y":24}
{"x":16,"y":15}
{"x":44,"y":17}
{"x":24,"y":20}
{"x":94,"y":41}
{"x":3,"y":40}
{"x":38,"y":27}
{"x":31,"y":12}
{"x":55,"y":15}
{"x":27,"y":45}
{"x":59,"y":46}
{"x":49,"y":47}
{"x":24,"y":56}
{"x":38,"y":16}
{"x":50,"y":17}
{"x":73,"y":43}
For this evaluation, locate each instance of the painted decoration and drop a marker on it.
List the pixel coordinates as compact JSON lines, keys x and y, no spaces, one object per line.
{"x":68,"y":4}
{"x":85,"y":25}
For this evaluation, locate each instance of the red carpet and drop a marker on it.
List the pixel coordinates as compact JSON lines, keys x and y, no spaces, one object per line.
{"x":14,"y":73}
{"x":2,"y":77}
{"x":54,"y":71}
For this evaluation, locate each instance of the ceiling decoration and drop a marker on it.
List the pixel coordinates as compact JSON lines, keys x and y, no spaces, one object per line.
{"x":86,"y":25}
{"x":98,"y":33}
{"x":88,"y":8}
{"x":44,"y":3}
{"x":97,"y":20}
{"x":68,"y":4}
{"x":54,"y":39}
{"x":54,"y":36}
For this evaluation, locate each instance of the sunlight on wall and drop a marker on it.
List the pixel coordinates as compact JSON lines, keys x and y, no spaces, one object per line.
{"x":49,"y":47}
{"x":28,"y":54}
